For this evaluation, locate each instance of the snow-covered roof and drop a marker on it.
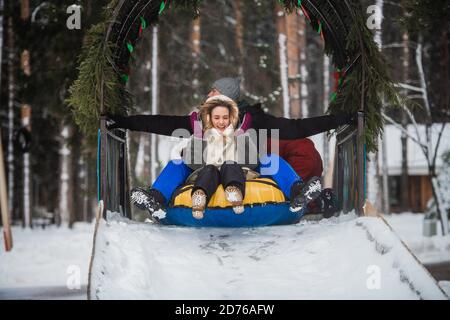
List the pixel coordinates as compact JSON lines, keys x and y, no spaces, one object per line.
{"x":417,"y":164}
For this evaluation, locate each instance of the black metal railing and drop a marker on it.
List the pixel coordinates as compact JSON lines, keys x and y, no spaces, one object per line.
{"x":349,"y":169}
{"x":113,"y":173}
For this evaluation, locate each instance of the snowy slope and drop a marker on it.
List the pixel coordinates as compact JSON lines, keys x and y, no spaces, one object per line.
{"x":47,"y":264}
{"x":345,"y":258}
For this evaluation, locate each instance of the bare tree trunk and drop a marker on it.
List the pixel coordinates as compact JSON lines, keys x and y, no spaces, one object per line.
{"x":65,"y":207}
{"x":239,"y":35}
{"x":372,"y":179}
{"x":11,"y":100}
{"x":281,"y":30}
{"x":143,"y":159}
{"x":373,"y":187}
{"x":385,"y":174}
{"x":26,"y":123}
{"x":445,"y":82}
{"x":440,"y":207}
{"x":303,"y":67}
{"x":142,"y":152}
{"x":404,"y":181}
{"x":385,"y":198}
{"x":445,"y":97}
{"x":77,"y":174}
{"x":293,"y":56}
{"x":154,"y":138}
{"x":431,"y":158}
{"x":142,"y":165}
{"x":196,"y":50}
{"x":83,"y":177}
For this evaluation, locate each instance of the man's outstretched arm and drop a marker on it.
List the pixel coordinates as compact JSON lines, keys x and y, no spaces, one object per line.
{"x":301,"y":128}
{"x":158,"y":124}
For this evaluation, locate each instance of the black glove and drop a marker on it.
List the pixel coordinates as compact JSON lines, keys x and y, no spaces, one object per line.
{"x":114,"y":122}
{"x":353,"y":118}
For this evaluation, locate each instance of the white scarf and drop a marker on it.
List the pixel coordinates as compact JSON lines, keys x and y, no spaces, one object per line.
{"x":221,"y":146}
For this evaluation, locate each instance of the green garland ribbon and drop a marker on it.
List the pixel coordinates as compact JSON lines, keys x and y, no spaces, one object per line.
{"x":130,"y":47}
{"x":162,"y":6}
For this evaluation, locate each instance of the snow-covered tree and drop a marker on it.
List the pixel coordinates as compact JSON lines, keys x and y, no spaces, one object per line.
{"x":423,"y":18}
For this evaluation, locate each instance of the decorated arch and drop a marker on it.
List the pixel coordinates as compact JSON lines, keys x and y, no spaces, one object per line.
{"x":361,"y":76}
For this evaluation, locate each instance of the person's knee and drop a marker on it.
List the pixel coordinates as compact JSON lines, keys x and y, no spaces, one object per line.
{"x":229,"y":163}
{"x":210,"y":167}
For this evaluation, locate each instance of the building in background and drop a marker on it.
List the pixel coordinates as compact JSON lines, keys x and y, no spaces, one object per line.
{"x":419,"y":188}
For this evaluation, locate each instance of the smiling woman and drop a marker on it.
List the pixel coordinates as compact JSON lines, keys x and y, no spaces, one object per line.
{"x":220,"y":118}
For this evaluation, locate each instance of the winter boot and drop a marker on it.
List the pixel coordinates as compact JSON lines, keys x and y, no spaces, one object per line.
{"x":303,"y":193}
{"x":327,"y":202}
{"x":151,"y":200}
{"x":198,"y":203}
{"x":234,"y":196}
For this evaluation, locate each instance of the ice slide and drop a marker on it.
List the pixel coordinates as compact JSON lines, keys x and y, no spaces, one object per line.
{"x":347,"y":257}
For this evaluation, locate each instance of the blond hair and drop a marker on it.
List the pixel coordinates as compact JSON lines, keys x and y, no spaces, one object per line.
{"x":218,"y":101}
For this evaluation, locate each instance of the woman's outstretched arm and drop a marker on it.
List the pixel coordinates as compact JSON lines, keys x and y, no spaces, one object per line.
{"x":158,"y":124}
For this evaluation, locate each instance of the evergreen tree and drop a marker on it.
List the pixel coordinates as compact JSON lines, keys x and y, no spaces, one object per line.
{"x":53,"y":59}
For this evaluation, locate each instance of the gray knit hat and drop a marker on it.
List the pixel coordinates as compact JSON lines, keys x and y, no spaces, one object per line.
{"x":229,"y":87}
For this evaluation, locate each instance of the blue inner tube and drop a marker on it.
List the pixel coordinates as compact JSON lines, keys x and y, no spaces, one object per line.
{"x":253,"y":216}
{"x":264,"y":205}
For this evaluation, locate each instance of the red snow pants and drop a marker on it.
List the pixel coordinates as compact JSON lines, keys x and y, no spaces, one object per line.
{"x":302,"y":155}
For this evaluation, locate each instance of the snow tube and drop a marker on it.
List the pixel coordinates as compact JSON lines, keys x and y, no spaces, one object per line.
{"x":264,"y":205}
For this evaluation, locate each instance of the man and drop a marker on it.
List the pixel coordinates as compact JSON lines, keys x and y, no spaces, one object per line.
{"x":301,"y":154}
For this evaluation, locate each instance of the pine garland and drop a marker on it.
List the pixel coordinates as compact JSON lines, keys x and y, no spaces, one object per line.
{"x":368,"y":80}
{"x":95,"y":72}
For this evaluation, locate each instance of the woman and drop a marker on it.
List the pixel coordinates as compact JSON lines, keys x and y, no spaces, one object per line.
{"x":219,"y":156}
{"x":209,"y":159}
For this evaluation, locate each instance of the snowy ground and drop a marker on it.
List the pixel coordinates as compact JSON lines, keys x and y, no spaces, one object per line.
{"x":343,"y":258}
{"x":428,"y":250}
{"x":47,"y":264}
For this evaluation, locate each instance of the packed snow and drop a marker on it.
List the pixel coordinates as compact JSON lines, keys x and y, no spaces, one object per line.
{"x":331,"y":259}
{"x":49,"y":263}
{"x":339,"y":258}
{"x":427,"y":249}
